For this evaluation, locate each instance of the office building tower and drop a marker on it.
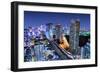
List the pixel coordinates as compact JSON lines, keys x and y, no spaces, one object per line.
{"x":49,"y":31}
{"x":58,"y":31}
{"x":74,"y":36}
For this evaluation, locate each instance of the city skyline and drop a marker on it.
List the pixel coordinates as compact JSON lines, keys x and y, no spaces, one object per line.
{"x":35,"y":19}
{"x":45,"y":38}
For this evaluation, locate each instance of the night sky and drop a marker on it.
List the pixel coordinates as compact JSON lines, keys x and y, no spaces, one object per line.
{"x":34,"y":19}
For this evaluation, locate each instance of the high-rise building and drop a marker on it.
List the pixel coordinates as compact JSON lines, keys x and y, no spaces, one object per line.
{"x":74,"y":36}
{"x":49,"y":30}
{"x":58,"y":31}
{"x":66,"y":30}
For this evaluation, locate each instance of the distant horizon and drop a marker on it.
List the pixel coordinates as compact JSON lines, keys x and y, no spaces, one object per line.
{"x":35,"y":19}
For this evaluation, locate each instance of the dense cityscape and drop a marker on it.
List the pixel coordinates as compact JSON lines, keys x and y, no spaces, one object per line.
{"x":51,"y":41}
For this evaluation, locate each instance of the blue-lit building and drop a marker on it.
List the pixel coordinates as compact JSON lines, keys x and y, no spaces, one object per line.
{"x":49,"y":31}
{"x":85,"y":51}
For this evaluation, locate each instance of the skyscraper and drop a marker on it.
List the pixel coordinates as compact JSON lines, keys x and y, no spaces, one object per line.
{"x":49,"y":30}
{"x":58,"y":31}
{"x":74,"y":36}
